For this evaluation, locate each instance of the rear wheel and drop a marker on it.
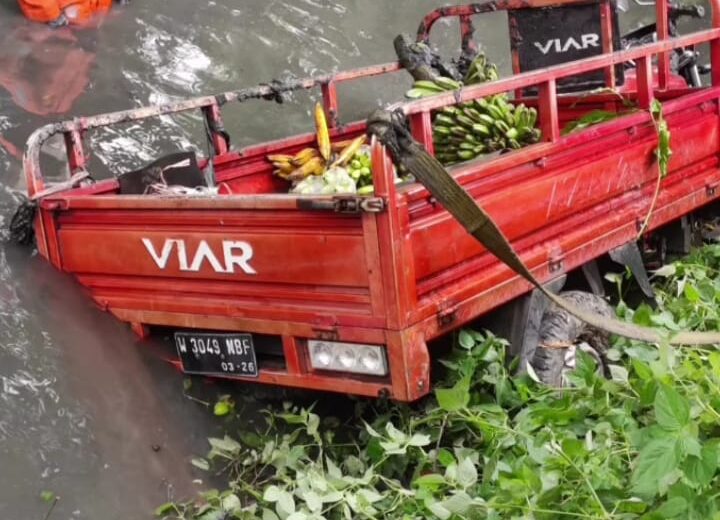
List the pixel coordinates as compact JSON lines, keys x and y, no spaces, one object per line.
{"x":562,"y":335}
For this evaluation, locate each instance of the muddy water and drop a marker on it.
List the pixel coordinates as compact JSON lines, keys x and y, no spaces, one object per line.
{"x":86,"y":410}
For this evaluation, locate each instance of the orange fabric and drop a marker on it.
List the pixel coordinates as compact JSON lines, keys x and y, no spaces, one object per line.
{"x":45,"y":70}
{"x":76,"y":11}
{"x":40,"y":10}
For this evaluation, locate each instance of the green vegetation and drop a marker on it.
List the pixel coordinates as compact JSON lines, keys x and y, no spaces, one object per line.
{"x":644,"y":444}
{"x":469,"y":130}
{"x":594,"y":117}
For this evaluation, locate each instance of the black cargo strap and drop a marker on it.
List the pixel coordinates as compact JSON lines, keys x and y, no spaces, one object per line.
{"x":21,"y":225}
{"x":392,"y":130}
{"x":278,"y":91}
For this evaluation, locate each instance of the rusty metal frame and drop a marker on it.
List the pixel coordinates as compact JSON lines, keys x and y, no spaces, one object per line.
{"x":546,"y":80}
{"x":74,"y":129}
{"x":465,"y":13}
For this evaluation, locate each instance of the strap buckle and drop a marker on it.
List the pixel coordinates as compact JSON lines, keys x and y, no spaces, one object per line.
{"x":353,"y":204}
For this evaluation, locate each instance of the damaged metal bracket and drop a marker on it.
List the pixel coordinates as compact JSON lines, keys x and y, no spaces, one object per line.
{"x":345,"y":204}
{"x":629,"y":256}
{"x":594,"y":279}
{"x":350,"y":204}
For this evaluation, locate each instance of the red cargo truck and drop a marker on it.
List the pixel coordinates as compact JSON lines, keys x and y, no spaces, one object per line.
{"x":344,"y":293}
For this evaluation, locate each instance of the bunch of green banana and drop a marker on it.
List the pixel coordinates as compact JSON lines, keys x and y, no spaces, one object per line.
{"x":424,"y":88}
{"x":463,"y":132}
{"x":359,"y":167}
{"x":480,"y":71}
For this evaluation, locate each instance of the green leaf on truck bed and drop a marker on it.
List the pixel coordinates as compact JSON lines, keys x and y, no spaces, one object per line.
{"x":591,"y":118}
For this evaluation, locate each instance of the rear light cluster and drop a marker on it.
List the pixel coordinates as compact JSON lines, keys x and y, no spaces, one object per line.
{"x":348,"y":357}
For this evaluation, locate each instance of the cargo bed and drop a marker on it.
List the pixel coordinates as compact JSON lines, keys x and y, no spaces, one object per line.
{"x":393,"y":270}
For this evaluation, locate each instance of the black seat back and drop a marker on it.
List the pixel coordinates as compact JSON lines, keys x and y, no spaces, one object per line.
{"x":177,"y":169}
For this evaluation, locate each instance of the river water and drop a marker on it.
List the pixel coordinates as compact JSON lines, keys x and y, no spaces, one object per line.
{"x":86,"y":410}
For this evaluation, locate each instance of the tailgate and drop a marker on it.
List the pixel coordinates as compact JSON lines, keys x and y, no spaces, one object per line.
{"x":214,"y":257}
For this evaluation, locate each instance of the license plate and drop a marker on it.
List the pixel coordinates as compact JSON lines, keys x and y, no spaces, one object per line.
{"x":217,"y":354}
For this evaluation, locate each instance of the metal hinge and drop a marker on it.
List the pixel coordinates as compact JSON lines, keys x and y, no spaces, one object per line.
{"x":349,"y":204}
{"x":447,"y":315}
{"x":345,"y":204}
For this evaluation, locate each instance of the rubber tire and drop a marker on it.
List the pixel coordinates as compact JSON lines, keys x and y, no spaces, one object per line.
{"x":558,"y":326}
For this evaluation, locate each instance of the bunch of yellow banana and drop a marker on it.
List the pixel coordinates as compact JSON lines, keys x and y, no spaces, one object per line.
{"x":316,"y":161}
{"x":296,"y":167}
{"x":308,"y":161}
{"x":337,"y":178}
{"x":322,"y":132}
{"x":347,"y":153}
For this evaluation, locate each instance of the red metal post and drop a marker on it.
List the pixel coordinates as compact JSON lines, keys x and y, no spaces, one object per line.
{"x":466,"y":33}
{"x":330,"y":102}
{"x":408,"y":349}
{"x":515,"y":57}
{"x":215,"y":124}
{"x":141,"y":330}
{"x":374,"y":265}
{"x":294,"y":362}
{"x":662,"y":24}
{"x":548,"y":111}
{"x":606,"y":28}
{"x":421,"y":127}
{"x":715,"y":44}
{"x":49,"y":229}
{"x":644,"y":81}
{"x":398,"y":289}
{"x":75,"y":152}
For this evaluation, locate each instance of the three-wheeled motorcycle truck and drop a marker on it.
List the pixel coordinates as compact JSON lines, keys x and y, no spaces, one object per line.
{"x":347,"y":293}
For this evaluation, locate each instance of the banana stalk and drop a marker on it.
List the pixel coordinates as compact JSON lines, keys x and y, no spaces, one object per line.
{"x":349,"y":152}
{"x":323,"y":134}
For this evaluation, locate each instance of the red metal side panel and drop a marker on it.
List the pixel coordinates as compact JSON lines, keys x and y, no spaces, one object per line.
{"x":279,"y":265}
{"x":572,"y":198}
{"x":223,"y":255}
{"x":609,"y":229}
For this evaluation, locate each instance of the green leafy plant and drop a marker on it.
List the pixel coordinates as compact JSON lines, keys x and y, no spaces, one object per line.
{"x":662,"y":154}
{"x":49,"y":497}
{"x":223,"y":406}
{"x":595,"y":117}
{"x":643,"y":444}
